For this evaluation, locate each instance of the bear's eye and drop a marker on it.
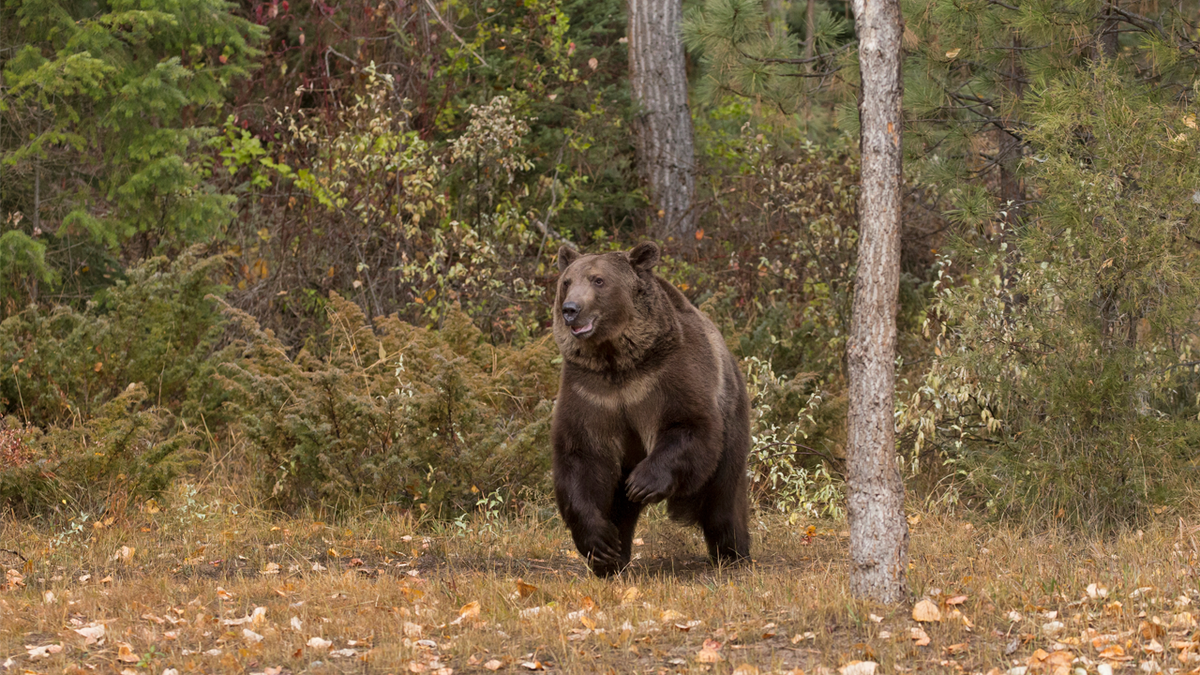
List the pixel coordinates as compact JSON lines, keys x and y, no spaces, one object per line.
{"x":598,"y":281}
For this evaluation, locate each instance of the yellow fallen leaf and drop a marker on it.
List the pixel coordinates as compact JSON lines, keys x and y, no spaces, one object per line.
{"x":525,"y":590}
{"x":919,"y":636}
{"x":468,"y":612}
{"x":926,"y":611}
{"x":953,"y":53}
{"x":670,"y":616}
{"x":125,"y":653}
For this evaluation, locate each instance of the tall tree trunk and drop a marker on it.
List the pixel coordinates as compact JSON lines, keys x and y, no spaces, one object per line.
{"x":663,"y":127}
{"x":875,"y":499}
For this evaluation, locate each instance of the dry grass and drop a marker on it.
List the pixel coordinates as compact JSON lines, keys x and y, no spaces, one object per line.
{"x":391,"y":594}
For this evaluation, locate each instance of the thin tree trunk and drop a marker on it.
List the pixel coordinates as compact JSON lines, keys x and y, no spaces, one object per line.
{"x":1008,"y":146}
{"x":663,"y":126}
{"x":875,"y":493}
{"x":810,"y":28}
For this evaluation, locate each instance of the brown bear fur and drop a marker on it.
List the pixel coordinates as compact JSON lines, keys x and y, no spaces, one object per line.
{"x":652,"y":406}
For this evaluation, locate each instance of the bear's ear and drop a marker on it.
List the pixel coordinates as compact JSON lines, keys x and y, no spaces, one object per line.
{"x":566,"y":256}
{"x":644,"y":256}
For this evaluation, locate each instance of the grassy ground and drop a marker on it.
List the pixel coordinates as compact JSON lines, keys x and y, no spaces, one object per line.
{"x":209,"y":585}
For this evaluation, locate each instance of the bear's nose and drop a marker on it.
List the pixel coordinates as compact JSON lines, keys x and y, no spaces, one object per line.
{"x":570,"y":311}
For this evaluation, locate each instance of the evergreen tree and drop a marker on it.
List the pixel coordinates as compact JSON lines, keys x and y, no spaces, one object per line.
{"x":106,"y":111}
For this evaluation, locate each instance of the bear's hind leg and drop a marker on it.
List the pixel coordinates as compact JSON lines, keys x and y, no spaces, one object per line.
{"x":724,"y":516}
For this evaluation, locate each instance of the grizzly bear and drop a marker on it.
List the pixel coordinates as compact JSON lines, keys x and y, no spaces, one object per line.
{"x":652,"y":406}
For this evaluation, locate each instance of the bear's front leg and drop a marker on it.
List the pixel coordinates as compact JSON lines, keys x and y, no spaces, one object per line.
{"x":683,"y":459}
{"x":585,"y":488}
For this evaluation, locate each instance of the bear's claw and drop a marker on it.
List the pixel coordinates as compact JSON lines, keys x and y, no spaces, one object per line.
{"x":644,"y":487}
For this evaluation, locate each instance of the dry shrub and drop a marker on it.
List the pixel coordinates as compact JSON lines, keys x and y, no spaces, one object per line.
{"x":391,"y":412}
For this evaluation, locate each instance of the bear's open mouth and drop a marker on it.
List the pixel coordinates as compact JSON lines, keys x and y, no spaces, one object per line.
{"x":582,"y":331}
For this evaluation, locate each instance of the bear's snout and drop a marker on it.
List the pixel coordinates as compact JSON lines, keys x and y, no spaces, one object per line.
{"x":570,"y":311}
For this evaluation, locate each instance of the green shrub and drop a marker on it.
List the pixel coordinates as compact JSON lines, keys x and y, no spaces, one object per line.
{"x":98,"y":400}
{"x":155,"y":327}
{"x":392,"y":412}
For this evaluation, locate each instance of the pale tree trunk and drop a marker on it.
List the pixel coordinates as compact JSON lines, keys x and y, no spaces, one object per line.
{"x":875,"y":493}
{"x":663,"y":126}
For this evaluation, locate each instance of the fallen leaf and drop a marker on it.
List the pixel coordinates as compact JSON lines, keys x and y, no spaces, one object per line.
{"x":525,"y":590}
{"x":956,"y":600}
{"x":468,"y":612}
{"x":1184,"y":621}
{"x":92,"y":633}
{"x":124,"y":554}
{"x":1115,"y":653}
{"x":412,"y":630}
{"x":1097,"y":591}
{"x":630,"y":595}
{"x":270,"y":568}
{"x":44,"y":651}
{"x":859,"y":668}
{"x":532,"y":665}
{"x":1153,"y":647}
{"x":319,"y":643}
{"x":1053,"y":628}
{"x":593,"y":63}
{"x":953,"y":53}
{"x":926,"y":611}
{"x":125,"y":653}
{"x":670,"y":616}
{"x":919,"y":636}
{"x":296,"y":623}
{"x":955,"y":649}
{"x":251,"y":636}
{"x":494,"y":664}
{"x":709,"y":652}
{"x":747,"y":669}
{"x":1151,"y":630}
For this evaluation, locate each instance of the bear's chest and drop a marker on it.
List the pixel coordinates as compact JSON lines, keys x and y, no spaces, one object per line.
{"x":629,"y":412}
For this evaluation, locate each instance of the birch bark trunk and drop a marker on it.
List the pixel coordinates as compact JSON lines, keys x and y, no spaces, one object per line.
{"x":875,"y":492}
{"x":663,"y":126}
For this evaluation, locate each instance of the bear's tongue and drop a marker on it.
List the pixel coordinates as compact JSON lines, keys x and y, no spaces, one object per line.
{"x":576,"y":330}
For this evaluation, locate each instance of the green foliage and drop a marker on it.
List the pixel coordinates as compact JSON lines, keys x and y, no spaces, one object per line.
{"x":1066,"y":384}
{"x":104,"y":112}
{"x":155,"y":328}
{"x":128,"y":450}
{"x":741,"y":56}
{"x":393,"y":412}
{"x":788,"y":474}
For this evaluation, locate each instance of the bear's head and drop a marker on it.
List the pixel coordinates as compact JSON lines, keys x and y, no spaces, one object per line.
{"x":601,"y":296}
